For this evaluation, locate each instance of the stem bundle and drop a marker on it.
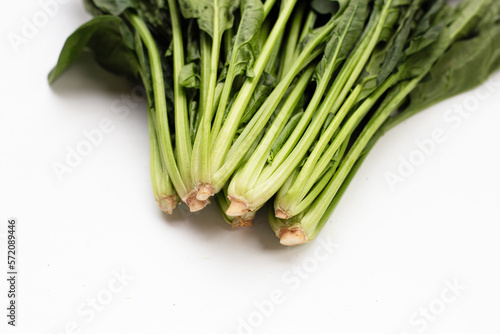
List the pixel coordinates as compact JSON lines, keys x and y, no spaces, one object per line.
{"x":279,"y":101}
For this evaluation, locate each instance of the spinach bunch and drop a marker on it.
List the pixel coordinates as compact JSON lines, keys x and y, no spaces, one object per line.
{"x":281,"y":101}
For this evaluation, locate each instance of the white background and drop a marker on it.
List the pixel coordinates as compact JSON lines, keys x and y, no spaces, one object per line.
{"x":396,"y":250}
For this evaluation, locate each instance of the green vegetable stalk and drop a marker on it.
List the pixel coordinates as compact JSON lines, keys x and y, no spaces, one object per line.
{"x":241,"y":146}
{"x":257,"y":183}
{"x":163,"y":190}
{"x":370,"y":87}
{"x":222,"y":140}
{"x":183,"y":145}
{"x":422,"y":57}
{"x":280,"y":102}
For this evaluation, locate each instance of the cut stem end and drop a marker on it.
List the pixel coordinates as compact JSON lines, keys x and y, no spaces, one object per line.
{"x":281,"y":214}
{"x":292,"y":236}
{"x":237,"y":208}
{"x":167,"y":204}
{"x":194,"y":204}
{"x":205,"y":191}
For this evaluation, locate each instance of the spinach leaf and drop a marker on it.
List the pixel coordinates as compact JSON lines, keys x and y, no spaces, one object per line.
{"x":244,"y":45}
{"x":111,"y":42}
{"x":343,"y":38}
{"x":92,"y":8}
{"x":452,"y":74}
{"x":157,"y":15}
{"x":189,"y":76}
{"x":204,"y":12}
{"x":115,"y":7}
{"x":242,"y":55}
{"x":328,"y":6}
{"x":385,"y":60}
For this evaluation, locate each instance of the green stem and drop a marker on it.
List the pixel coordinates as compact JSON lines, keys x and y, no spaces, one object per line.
{"x":311,"y":222}
{"x":240,"y":148}
{"x":160,"y":104}
{"x":182,"y":129}
{"x":308,"y":26}
{"x":258,"y":158}
{"x":296,"y":147}
{"x":289,"y":53}
{"x":225,"y":137}
{"x":313,"y":168}
{"x":317,"y":189}
{"x":201,"y":149}
{"x":205,"y":61}
{"x":163,"y":190}
{"x":319,"y":213}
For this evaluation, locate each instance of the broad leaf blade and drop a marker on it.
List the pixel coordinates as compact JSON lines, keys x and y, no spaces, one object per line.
{"x":204,"y":12}
{"x":111,"y":42}
{"x":115,"y":7}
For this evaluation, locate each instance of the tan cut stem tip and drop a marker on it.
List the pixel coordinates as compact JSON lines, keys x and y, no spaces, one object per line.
{"x":167,"y":204}
{"x":237,"y":208}
{"x":281,"y":214}
{"x":194,"y":204}
{"x":292,"y":236}
{"x":205,"y":191}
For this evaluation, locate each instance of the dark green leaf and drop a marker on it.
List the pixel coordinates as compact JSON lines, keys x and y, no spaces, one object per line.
{"x":204,"y":12}
{"x":328,"y":6}
{"x":111,"y":42}
{"x":384,"y":61}
{"x":244,"y":46}
{"x":344,"y":36}
{"x":466,"y":65}
{"x":189,"y":76}
{"x":115,"y":7}
{"x":92,"y":8}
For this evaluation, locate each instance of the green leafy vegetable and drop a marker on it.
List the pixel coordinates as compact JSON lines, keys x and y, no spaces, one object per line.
{"x":281,"y":101}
